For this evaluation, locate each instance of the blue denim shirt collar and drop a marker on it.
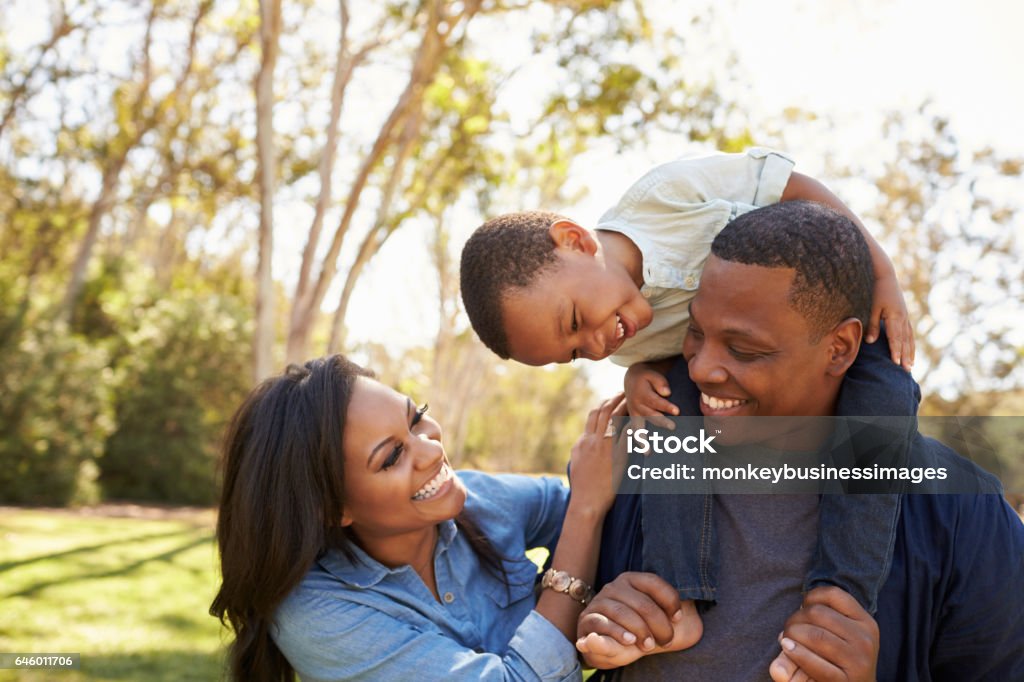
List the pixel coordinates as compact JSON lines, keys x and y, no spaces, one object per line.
{"x":365,"y":571}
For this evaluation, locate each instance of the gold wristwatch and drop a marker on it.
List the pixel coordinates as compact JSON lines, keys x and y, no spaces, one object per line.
{"x":560,"y":581}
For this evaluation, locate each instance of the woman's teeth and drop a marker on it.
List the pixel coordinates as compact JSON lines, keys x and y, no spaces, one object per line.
{"x":432,"y":486}
{"x":719,"y":403}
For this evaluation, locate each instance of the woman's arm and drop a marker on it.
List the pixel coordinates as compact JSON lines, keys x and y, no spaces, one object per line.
{"x":326,"y":638}
{"x":888,"y":302}
{"x":594,"y":473}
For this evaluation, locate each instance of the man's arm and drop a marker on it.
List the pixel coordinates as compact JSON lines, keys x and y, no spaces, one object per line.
{"x":887,"y":302}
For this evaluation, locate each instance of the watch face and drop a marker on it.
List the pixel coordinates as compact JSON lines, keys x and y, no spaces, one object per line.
{"x":560,"y":581}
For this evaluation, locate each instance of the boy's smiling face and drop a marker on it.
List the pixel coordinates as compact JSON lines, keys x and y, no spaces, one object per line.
{"x":583,"y":307}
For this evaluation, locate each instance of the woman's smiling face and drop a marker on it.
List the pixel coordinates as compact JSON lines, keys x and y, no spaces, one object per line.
{"x":397,"y":476}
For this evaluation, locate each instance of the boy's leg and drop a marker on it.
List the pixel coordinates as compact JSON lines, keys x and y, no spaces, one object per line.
{"x":675,"y":545}
{"x":857,"y":531}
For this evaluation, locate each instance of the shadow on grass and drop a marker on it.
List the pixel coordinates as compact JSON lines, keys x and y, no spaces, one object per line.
{"x":8,"y":565}
{"x":155,"y":666}
{"x":31,"y":590}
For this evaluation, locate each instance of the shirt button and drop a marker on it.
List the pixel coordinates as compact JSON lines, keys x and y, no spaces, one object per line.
{"x":690,"y":281}
{"x":646,"y":293}
{"x":449,"y":597}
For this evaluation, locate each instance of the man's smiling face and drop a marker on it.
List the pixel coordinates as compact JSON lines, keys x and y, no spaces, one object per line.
{"x":750,"y":353}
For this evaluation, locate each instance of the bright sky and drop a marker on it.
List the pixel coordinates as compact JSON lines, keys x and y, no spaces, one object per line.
{"x":850,"y":58}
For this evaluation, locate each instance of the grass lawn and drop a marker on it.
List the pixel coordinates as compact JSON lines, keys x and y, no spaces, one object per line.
{"x":130,"y":595}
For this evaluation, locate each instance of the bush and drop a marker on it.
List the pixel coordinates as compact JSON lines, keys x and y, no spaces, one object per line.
{"x":180,"y":376}
{"x":55,"y":413}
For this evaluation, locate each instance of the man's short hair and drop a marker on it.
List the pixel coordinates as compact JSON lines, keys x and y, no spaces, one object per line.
{"x":505,"y":253}
{"x":834,"y":274}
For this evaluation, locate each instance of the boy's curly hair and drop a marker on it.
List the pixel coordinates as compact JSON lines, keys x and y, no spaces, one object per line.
{"x":505,"y":253}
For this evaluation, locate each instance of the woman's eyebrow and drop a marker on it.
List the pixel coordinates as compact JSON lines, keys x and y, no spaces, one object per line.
{"x":380,"y":445}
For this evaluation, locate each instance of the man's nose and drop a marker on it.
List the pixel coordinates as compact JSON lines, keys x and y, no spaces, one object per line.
{"x":706,"y":366}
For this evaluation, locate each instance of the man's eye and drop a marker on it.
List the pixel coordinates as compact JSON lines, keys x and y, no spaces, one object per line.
{"x":693,"y":331}
{"x":744,"y":356}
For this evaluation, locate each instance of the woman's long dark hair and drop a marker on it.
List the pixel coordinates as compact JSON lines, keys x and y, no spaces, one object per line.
{"x":281,"y":502}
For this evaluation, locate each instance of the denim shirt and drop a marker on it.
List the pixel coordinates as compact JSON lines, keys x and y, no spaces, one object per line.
{"x":364,"y":621}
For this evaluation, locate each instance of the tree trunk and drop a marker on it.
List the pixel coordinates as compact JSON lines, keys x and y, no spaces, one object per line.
{"x":270,"y":31}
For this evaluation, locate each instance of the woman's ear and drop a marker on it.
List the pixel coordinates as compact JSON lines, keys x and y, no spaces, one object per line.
{"x":844,"y":345}
{"x":568,"y":235}
{"x":346,"y":520}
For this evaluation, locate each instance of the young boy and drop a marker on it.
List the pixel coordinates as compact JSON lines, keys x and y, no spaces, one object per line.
{"x":540,"y":288}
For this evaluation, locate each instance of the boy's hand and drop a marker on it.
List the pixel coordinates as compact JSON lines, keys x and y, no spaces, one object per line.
{"x":890,"y":306}
{"x":646,"y":395}
{"x":830,"y":638}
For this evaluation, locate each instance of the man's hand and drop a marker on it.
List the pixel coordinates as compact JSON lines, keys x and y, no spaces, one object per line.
{"x":889,"y":305}
{"x":604,"y":652}
{"x":646,"y":395}
{"x":830,"y":639}
{"x":635,"y":615}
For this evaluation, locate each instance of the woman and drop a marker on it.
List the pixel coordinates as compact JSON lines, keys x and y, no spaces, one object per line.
{"x":350,"y":550}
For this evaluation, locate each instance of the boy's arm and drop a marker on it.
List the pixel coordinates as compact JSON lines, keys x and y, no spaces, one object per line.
{"x":888,"y":302}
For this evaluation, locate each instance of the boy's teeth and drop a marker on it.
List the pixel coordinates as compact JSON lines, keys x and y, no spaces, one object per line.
{"x":719,"y":403}
{"x":620,"y":330}
{"x":431,"y":486}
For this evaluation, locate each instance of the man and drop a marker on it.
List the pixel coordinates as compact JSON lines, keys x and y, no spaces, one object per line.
{"x":776,"y":322}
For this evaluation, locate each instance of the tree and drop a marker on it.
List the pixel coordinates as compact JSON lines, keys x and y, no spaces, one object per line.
{"x":950,"y":220}
{"x":270,"y":32}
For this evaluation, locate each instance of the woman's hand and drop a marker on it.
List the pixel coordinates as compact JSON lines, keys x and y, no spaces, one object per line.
{"x":598,"y":459}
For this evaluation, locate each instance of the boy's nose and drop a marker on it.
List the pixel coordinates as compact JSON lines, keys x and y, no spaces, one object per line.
{"x":595,"y":346}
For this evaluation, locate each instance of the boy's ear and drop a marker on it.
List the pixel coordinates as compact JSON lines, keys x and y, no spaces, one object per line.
{"x":844,"y":344}
{"x":568,"y":235}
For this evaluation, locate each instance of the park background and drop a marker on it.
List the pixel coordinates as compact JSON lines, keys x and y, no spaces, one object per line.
{"x":194,"y":193}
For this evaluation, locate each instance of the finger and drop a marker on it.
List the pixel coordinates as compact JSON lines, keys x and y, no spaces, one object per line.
{"x":600,"y":645}
{"x":605,"y":411}
{"x":660,"y":385}
{"x":591,"y":425}
{"x":599,"y":624}
{"x":655,"y":417}
{"x":823,"y":641}
{"x":873,"y":325}
{"x":633,"y":620}
{"x":783,"y":669}
{"x":621,"y":408}
{"x":656,"y":397}
{"x":813,"y":665}
{"x":909,"y":348}
{"x":838,"y":599}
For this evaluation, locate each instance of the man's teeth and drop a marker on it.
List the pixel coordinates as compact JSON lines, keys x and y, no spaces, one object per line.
{"x":719,"y":403}
{"x":432,"y":486}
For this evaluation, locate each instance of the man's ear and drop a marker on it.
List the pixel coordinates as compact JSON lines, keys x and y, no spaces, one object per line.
{"x":844,"y":344}
{"x":568,"y":235}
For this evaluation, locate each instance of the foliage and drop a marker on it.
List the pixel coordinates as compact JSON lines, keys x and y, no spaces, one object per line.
{"x":181,"y":373}
{"x":55,"y":405}
{"x":950,"y":219}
